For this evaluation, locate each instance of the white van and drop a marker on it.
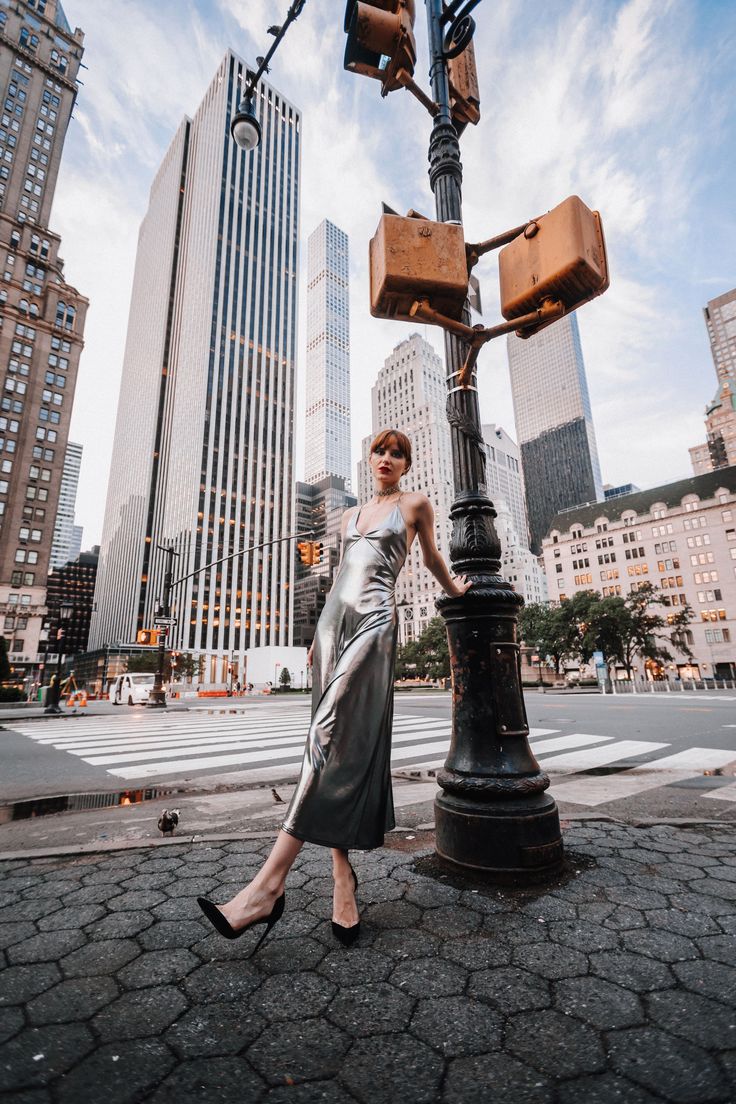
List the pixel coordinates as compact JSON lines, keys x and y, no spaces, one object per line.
{"x":131,"y":689}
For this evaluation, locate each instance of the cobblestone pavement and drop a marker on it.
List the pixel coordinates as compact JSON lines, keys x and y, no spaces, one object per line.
{"x":616,"y":983}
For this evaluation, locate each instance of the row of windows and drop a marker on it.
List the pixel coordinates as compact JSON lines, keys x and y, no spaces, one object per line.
{"x":635,"y":553}
{"x":657,"y":530}
{"x":713,"y":615}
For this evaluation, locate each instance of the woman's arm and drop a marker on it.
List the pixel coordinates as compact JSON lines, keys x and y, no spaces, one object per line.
{"x":424,"y":522}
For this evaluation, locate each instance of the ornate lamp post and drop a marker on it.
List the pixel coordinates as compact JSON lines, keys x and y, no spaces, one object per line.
{"x":66,"y":612}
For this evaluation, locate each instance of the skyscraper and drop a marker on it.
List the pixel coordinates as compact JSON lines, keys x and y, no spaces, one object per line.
{"x":42,"y":315}
{"x":409,"y":394}
{"x":202,"y":456}
{"x":319,"y":509}
{"x":63,"y":548}
{"x":327,"y":431}
{"x":554,"y":423}
{"x":719,"y":449}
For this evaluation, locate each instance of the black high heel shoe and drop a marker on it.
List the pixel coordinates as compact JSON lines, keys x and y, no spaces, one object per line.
{"x":347,"y":936}
{"x":225,"y":928}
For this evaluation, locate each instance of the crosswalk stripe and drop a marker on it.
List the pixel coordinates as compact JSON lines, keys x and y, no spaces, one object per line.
{"x":723,"y":793}
{"x":636,"y":780}
{"x":571,"y":762}
{"x":580,"y":739}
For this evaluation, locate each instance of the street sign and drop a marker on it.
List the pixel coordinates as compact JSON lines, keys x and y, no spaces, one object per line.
{"x":164,"y":621}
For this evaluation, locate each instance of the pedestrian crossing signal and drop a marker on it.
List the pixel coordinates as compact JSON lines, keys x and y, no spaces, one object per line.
{"x":148,"y":637}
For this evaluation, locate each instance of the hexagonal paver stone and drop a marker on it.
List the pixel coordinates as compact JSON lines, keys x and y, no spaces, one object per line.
{"x":702,"y":1021}
{"x":513,"y":930}
{"x":719,"y":948}
{"x":673,"y":1068}
{"x":93,"y":894}
{"x":19,"y":984}
{"x":222,"y":981}
{"x":604,"y":1088}
{"x":406,"y":944}
{"x":401,"y":1068}
{"x":551,"y":960}
{"x":210,"y":1081}
{"x":392,"y":914}
{"x":457,"y":1026}
{"x":555,"y":1044}
{"x":48,"y":947}
{"x":171,"y":933}
{"x":599,"y":1003}
{"x":371,"y":1009}
{"x":624,"y":919}
{"x":359,"y":966}
{"x":11,"y":1021}
{"x":15,"y":933}
{"x":210,"y":1030}
{"x":71,"y":917}
{"x":126,"y":1071}
{"x":711,"y":979}
{"x":495,"y":1078}
{"x":140,"y":1013}
{"x":309,"y":1092}
{"x":42,"y":887}
{"x":72,"y":1000}
{"x":28,"y":910}
{"x":288,"y":1052}
{"x":293,"y":996}
{"x":429,"y":977}
{"x":39,"y":1054}
{"x":104,"y":957}
{"x":477,"y":952}
{"x":157,"y":968}
{"x":285,"y":955}
{"x":718,"y":887}
{"x":636,"y":898}
{"x":123,"y":925}
{"x":135,"y":900}
{"x":510,"y":990}
{"x":682,"y":923}
{"x":430,"y":894}
{"x":633,"y":971}
{"x":451,"y":921}
{"x":662,"y":946}
{"x":582,"y":935}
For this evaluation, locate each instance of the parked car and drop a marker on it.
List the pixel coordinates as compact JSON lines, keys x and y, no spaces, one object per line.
{"x":131,"y":689}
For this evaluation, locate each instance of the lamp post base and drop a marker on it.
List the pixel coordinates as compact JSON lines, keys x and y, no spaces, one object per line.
{"x":157,"y":700}
{"x":507,"y":841}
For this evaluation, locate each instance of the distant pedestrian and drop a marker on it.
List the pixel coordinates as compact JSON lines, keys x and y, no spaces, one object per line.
{"x":343,"y":797}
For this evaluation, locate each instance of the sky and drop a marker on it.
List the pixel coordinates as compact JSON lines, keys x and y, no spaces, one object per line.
{"x":629,"y":105}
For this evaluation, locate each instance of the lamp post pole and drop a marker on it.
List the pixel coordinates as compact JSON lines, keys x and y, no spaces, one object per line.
{"x":66,"y":612}
{"x":493,"y":813}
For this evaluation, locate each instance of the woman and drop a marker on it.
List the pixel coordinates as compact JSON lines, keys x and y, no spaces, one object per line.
{"x":343,"y":797}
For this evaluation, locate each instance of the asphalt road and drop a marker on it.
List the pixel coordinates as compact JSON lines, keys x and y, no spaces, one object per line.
{"x":659,"y":756}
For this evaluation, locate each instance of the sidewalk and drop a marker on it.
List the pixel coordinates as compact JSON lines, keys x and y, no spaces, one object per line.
{"x":615,"y":984}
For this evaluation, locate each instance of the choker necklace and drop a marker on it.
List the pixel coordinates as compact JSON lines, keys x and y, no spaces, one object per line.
{"x":387,"y":491}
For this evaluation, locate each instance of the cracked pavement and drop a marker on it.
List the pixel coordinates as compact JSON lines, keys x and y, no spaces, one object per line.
{"x":614,"y":983}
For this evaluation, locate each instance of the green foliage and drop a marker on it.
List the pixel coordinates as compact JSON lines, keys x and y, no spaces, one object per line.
{"x":147,"y":663}
{"x":428,"y":656}
{"x":285,"y":677}
{"x":4,"y":661}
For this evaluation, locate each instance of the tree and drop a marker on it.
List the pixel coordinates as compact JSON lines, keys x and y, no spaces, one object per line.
{"x":285,"y":678}
{"x":623,"y":628}
{"x":428,"y":656}
{"x":551,"y":630}
{"x":4,"y":661}
{"x":147,"y":662}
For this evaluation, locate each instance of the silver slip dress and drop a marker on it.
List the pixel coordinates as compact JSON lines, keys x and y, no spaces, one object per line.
{"x":343,"y":797}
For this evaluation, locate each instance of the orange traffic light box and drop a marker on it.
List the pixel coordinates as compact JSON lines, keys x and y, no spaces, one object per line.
{"x":415,"y":258}
{"x":559,"y":256}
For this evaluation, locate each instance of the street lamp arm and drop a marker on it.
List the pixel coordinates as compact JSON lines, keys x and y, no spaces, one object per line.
{"x":294,"y":12}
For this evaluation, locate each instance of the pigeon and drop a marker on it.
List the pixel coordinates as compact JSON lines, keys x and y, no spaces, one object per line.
{"x":277,"y":798}
{"x":168,"y":821}
{"x":274,"y":30}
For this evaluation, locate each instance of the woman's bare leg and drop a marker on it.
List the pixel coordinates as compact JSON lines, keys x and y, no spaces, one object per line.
{"x":344,"y":908}
{"x":257,"y":898}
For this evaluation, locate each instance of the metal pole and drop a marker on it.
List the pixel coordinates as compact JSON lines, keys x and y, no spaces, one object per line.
{"x":157,"y":697}
{"x":493,"y":813}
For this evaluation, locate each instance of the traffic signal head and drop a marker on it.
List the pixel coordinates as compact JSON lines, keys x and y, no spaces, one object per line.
{"x":380,"y":40}
{"x":412,"y":259}
{"x":304,"y":548}
{"x":559,"y":256}
{"x":317,"y":547}
{"x":147,"y":636}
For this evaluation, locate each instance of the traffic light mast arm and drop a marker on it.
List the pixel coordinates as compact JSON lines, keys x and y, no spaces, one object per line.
{"x":240,"y":552}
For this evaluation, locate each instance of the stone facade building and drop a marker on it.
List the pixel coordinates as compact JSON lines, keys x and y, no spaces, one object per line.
{"x":719,"y":448}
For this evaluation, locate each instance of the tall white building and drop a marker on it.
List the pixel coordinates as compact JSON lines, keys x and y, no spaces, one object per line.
{"x":65,"y":535}
{"x":505,"y":487}
{"x":409,"y":395}
{"x":327,"y":431}
{"x":554,"y":423}
{"x":202,"y":456}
